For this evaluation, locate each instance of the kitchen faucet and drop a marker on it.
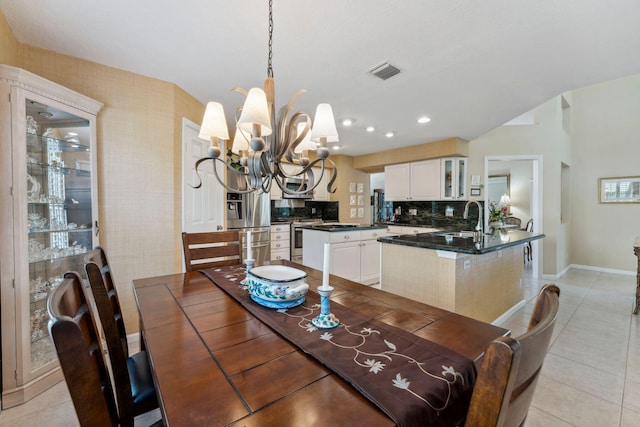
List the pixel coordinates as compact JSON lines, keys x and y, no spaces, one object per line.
{"x":479,"y":226}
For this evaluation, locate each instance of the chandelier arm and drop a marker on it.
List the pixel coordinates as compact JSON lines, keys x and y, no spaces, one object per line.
{"x":289,"y":147}
{"x":215,"y":173}
{"x":255,"y":171}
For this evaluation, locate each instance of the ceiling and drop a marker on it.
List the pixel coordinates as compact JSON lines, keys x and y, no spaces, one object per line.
{"x":469,"y":65}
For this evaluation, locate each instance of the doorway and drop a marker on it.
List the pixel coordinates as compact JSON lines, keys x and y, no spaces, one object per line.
{"x":202,"y":208}
{"x":525,"y":194}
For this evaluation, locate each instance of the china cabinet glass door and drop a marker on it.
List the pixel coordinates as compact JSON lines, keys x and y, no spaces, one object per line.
{"x":59,"y":211}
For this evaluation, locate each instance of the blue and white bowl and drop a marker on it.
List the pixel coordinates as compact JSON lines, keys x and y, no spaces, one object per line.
{"x":277,"y":286}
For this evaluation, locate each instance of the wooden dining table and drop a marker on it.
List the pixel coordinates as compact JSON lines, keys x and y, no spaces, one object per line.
{"x":215,"y":364}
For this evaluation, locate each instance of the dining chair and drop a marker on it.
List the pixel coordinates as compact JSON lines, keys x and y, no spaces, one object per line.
{"x":528,"y":249}
{"x":512,"y":220}
{"x":211,"y":249}
{"x":133,"y":381}
{"x":509,"y":370}
{"x":76,"y":340}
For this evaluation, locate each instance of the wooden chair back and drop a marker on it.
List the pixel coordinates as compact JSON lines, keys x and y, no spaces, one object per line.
{"x":509,"y":370}
{"x":77,"y":344}
{"x":98,"y":256}
{"x":211,"y":249}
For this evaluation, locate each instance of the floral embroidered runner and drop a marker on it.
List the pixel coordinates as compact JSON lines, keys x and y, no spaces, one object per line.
{"x":414,"y":381}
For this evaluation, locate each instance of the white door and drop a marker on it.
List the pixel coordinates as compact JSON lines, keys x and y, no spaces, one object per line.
{"x":202,"y":208}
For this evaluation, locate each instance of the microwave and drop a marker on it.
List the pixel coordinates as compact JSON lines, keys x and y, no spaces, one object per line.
{"x":296,"y":184}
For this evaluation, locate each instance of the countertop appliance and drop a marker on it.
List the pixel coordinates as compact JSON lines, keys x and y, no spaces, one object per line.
{"x":254,"y":216}
{"x":296,"y":237}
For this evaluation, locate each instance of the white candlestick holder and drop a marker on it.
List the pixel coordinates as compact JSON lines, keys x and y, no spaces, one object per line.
{"x":326,"y":319}
{"x":249,"y":265}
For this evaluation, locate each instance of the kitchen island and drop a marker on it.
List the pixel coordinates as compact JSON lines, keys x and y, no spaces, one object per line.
{"x":478,"y":276}
{"x":354,"y":249}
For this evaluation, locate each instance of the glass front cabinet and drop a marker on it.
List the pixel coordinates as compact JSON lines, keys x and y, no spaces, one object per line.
{"x":48,"y":217}
{"x":453,"y":178}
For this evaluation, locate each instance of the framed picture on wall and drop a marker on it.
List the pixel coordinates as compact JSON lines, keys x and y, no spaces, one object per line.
{"x":476,"y":192}
{"x":624,"y":189}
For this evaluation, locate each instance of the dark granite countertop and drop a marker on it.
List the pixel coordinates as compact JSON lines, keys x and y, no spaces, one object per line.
{"x":441,"y":241}
{"x":337,"y":227}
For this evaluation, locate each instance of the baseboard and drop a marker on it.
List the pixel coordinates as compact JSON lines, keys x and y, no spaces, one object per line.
{"x":604,"y":270}
{"x":587,"y":267}
{"x":507,"y":314}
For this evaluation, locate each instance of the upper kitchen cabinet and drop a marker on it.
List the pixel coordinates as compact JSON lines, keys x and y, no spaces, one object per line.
{"x":412,"y":181}
{"x":454,"y":178}
{"x":48,"y":217}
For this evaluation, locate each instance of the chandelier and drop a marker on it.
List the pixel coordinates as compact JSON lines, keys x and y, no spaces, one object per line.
{"x":265,"y":141}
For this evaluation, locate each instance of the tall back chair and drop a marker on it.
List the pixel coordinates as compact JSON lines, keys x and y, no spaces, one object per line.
{"x":212,"y":249}
{"x":509,"y":370}
{"x":132,"y":378}
{"x":528,"y":249}
{"x":98,"y":256}
{"x":76,"y":341}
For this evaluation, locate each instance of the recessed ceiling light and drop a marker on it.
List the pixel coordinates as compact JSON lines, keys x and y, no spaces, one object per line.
{"x":370,"y":128}
{"x":389,"y":134}
{"x":424,"y":119}
{"x":347,"y":122}
{"x":336,"y":147}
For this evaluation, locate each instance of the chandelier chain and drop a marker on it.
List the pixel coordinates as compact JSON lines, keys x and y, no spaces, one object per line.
{"x":269,"y":65}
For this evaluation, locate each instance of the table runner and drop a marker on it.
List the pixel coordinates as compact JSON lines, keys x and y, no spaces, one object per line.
{"x":414,"y":381}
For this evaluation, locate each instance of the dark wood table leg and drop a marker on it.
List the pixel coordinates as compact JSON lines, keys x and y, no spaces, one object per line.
{"x":636,"y":251}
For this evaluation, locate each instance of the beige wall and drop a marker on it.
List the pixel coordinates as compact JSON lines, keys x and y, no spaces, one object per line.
{"x":8,"y":44}
{"x":603,"y":142}
{"x":606,"y":143}
{"x":139,"y":160}
{"x":346,"y":175}
{"x":546,"y":138}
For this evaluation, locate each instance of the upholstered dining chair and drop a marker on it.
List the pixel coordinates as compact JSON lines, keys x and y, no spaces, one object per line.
{"x":77,"y":342}
{"x":133,"y":381}
{"x":211,"y":249}
{"x":509,"y":370}
{"x":512,"y":220}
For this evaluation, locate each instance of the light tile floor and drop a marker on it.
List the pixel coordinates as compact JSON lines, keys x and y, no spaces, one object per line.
{"x":591,"y":376}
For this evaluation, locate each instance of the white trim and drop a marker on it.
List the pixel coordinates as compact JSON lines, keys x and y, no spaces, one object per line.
{"x":507,"y":314}
{"x":449,"y":254}
{"x":604,"y":270}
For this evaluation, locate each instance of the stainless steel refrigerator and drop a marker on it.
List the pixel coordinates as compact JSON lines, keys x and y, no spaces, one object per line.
{"x":251,"y":213}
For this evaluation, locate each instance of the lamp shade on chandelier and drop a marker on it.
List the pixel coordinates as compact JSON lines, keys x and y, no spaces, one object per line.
{"x":265,"y":140}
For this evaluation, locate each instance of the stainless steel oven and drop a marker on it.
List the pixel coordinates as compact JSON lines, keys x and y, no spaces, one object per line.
{"x":296,"y":238}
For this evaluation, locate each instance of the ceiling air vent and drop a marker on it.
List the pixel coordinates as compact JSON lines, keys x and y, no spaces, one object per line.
{"x":384,"y":71}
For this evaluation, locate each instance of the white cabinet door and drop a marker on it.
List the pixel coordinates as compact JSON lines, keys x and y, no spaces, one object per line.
{"x":321,"y":192}
{"x":369,"y":261}
{"x":345,"y":260}
{"x":396,"y":182}
{"x":425,"y":180}
{"x":454,"y":178}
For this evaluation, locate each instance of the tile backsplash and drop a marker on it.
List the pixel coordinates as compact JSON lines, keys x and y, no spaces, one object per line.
{"x":434,"y":214}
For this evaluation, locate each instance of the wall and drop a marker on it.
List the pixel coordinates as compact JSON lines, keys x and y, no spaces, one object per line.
{"x":606,"y":144}
{"x":8,"y":44}
{"x":139,"y":160}
{"x":346,"y":175}
{"x":545,"y":138}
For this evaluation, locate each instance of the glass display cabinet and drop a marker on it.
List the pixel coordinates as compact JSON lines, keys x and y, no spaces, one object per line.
{"x":48,"y":218}
{"x":454,"y":178}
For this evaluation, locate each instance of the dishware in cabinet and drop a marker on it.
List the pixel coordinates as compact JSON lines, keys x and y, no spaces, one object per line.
{"x":48,"y":215}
